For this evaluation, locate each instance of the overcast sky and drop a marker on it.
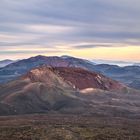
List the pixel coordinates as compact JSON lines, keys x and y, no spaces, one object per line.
{"x":104,"y":29}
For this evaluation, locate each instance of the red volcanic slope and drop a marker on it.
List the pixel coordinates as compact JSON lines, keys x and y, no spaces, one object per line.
{"x":82,"y":79}
{"x":77,"y":77}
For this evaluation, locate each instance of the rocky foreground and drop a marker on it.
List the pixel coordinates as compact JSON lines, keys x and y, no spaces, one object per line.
{"x":68,"y":127}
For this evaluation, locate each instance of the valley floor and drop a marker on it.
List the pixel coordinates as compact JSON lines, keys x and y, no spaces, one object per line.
{"x":68,"y":127}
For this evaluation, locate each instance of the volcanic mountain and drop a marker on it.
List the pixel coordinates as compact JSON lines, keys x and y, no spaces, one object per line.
{"x":128,"y":75}
{"x":65,"y":90}
{"x":76,"y":78}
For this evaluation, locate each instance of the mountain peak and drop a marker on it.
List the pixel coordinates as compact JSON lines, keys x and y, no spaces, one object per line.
{"x":42,"y":74}
{"x":75,"y":77}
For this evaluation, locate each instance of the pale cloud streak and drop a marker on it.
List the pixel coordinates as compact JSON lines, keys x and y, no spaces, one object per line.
{"x":31,"y":26}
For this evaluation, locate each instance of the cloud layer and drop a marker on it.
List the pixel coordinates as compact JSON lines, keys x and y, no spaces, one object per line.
{"x":50,"y":25}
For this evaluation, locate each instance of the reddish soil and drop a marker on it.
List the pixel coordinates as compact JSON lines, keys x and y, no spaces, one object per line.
{"x":82,"y":79}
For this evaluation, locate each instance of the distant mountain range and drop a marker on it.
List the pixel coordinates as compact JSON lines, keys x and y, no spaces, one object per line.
{"x":137,"y":64}
{"x":3,"y":63}
{"x":128,"y":75}
{"x":113,"y":62}
{"x":18,"y":68}
{"x":68,"y":90}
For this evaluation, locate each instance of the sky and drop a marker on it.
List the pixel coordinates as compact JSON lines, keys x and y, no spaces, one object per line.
{"x":92,"y":29}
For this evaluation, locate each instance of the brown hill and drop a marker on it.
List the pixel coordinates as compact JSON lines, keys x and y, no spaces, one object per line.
{"x":62,"y":90}
{"x":76,"y":78}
